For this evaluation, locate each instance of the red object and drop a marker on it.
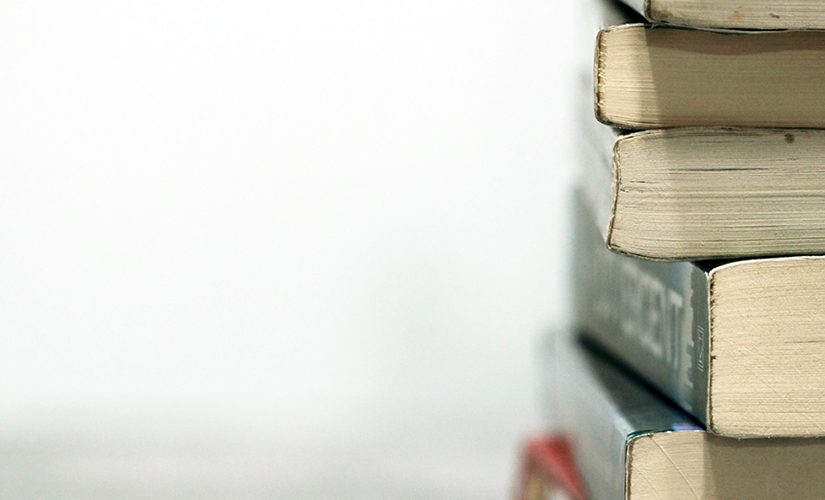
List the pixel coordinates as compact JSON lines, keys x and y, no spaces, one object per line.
{"x":548,"y":470}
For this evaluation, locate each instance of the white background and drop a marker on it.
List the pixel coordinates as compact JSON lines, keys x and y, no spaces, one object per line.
{"x":278,"y":249}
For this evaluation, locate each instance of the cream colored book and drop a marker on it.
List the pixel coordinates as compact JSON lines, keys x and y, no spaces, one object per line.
{"x":655,"y":77}
{"x":709,"y":193}
{"x":735,"y":14}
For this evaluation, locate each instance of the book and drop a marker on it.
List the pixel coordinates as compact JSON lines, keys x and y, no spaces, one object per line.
{"x":650,"y":76}
{"x":738,"y":344}
{"x":548,"y":471}
{"x":709,"y":193}
{"x":735,"y":14}
{"x":628,"y":442}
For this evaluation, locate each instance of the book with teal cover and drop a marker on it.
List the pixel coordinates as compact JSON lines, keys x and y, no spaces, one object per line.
{"x":602,"y":409}
{"x":628,"y":441}
{"x":651,"y":315}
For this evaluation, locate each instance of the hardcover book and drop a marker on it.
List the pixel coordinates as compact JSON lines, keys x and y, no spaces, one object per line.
{"x":629,"y":443}
{"x":739,"y":345}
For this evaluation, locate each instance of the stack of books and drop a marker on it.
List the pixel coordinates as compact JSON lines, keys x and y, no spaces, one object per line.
{"x":697,"y":365}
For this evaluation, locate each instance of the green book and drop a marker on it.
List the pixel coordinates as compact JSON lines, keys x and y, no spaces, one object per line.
{"x":630,"y":443}
{"x":739,"y":345}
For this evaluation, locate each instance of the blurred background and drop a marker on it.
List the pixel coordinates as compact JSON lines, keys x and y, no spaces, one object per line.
{"x":260,"y":249}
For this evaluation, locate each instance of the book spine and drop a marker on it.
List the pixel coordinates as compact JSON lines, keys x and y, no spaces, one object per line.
{"x":652,"y":316}
{"x":587,"y":416}
{"x":595,"y":144}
